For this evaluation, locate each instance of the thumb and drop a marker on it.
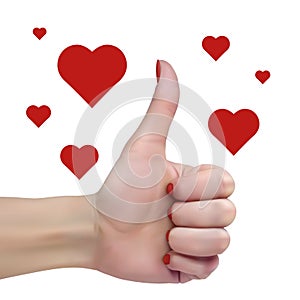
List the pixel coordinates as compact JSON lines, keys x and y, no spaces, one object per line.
{"x":153,"y":130}
{"x":166,"y":95}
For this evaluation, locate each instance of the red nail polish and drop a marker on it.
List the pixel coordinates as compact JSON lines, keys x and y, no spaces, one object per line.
{"x":166,"y":259}
{"x":170,"y":213}
{"x":169,"y":188}
{"x":157,"y":70}
{"x":167,"y":235}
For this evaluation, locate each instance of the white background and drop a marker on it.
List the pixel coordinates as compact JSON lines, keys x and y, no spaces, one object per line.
{"x":262,"y":261}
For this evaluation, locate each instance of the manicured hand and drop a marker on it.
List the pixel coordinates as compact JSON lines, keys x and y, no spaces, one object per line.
{"x":160,"y":221}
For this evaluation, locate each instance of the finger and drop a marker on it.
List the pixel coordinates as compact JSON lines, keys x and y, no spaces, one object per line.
{"x":205,"y":214}
{"x":198,"y":241}
{"x":191,"y":267}
{"x":203,"y":185}
{"x":184,"y":170}
{"x":156,"y":123}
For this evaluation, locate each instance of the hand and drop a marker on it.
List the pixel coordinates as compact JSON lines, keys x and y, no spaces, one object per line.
{"x":129,"y":235}
{"x":136,"y":238}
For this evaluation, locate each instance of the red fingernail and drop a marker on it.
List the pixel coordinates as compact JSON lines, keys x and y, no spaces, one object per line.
{"x":169,"y":188}
{"x":170,"y":213}
{"x":166,"y":259}
{"x":157,"y":70}
{"x":167,"y":235}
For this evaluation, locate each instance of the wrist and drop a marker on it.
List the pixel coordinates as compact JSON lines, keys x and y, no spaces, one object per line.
{"x":43,"y":234}
{"x":77,"y":232}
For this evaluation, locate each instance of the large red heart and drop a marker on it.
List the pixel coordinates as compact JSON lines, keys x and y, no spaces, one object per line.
{"x":215,"y":47}
{"x":38,"y":115}
{"x":233,"y":130}
{"x":92,"y":73}
{"x":79,"y":160}
{"x":39,"y":32}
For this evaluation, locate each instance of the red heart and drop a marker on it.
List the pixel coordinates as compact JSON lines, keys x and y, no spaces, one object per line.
{"x":79,"y":160}
{"x":233,"y":130}
{"x":215,"y":47}
{"x":38,"y":115}
{"x":262,"y":76}
{"x":92,"y":73}
{"x":39,"y":32}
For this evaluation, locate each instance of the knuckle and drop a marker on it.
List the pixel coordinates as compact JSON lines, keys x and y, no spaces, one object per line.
{"x":211,"y":265}
{"x":223,"y":240}
{"x":228,"y":212}
{"x":204,"y":167}
{"x":228,"y":184}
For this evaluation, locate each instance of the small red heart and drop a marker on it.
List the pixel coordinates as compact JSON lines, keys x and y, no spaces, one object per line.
{"x":79,"y":160}
{"x":262,"y":76}
{"x":39,"y":32}
{"x":38,"y":115}
{"x":92,"y":73}
{"x":215,"y":47}
{"x":233,"y":130}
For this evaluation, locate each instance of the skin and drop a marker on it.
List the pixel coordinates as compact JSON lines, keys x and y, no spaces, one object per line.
{"x":129,"y":242}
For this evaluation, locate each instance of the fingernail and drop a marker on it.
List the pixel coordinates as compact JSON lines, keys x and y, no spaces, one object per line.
{"x":169,"y":188}
{"x":166,"y":259}
{"x":157,"y":70}
{"x":170,"y":213}
{"x":167,"y":235}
